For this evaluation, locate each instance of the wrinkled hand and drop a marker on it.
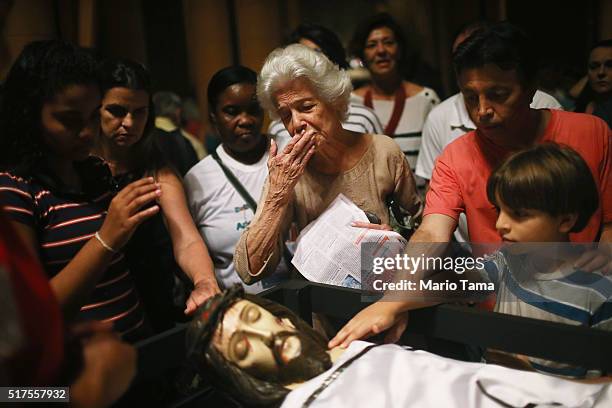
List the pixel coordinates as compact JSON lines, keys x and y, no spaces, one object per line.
{"x":109,"y":365}
{"x":200,"y":293}
{"x":286,"y":167}
{"x":595,"y":260}
{"x":125,"y":212}
{"x":374,"y":319}
{"x":368,"y":225}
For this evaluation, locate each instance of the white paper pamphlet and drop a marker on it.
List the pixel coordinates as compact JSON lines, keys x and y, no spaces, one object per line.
{"x":329,"y":248}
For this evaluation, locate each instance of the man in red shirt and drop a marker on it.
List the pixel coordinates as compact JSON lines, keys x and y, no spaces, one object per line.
{"x":497,"y":85}
{"x":495,"y":70}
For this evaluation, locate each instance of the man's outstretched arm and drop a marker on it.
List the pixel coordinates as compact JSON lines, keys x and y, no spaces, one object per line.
{"x":390,"y":315}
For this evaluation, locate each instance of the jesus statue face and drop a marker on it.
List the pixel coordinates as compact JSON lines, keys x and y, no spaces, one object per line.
{"x":266,"y":346}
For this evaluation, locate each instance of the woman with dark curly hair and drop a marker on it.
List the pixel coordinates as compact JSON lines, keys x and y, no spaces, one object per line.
{"x":401,"y":105}
{"x":58,"y":196}
{"x":127,"y":144}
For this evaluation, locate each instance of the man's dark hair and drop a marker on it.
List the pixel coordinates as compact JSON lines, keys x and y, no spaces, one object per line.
{"x":224,"y":374}
{"x":124,"y":73}
{"x":378,"y":21}
{"x":601,"y":44}
{"x":550,"y":178}
{"x":470,"y":28}
{"x":501,"y":44}
{"x":42,"y":70}
{"x":326,"y":39}
{"x":226,"y":77}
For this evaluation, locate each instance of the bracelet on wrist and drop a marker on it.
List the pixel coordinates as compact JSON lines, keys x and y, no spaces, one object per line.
{"x":104,"y":244}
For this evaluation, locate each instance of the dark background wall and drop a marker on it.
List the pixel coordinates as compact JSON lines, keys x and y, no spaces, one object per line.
{"x":185,"y":41}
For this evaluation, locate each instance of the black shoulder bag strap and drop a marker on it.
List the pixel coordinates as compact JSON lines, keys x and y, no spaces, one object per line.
{"x":247,"y":197}
{"x":235,"y":182}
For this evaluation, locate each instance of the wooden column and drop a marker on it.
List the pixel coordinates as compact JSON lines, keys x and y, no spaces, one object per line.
{"x":260,"y":30}
{"x":87,"y":23}
{"x":25,"y":21}
{"x":208,"y":43}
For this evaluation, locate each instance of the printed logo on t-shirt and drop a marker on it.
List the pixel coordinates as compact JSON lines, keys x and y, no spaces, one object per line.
{"x":245,"y":223}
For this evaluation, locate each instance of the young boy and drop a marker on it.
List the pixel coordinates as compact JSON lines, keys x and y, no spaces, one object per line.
{"x":543,"y":194}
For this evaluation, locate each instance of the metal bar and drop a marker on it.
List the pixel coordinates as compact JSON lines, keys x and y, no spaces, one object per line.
{"x":578,"y":345}
{"x":296,"y":297}
{"x":160,"y":353}
{"x":581,"y":346}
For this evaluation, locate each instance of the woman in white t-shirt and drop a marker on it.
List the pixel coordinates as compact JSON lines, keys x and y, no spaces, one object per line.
{"x":220,"y":210}
{"x":401,"y":105}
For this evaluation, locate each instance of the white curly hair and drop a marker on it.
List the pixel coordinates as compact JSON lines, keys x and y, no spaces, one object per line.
{"x":331,"y":84}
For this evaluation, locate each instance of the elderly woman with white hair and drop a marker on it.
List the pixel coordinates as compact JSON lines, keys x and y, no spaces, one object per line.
{"x":311,"y":95}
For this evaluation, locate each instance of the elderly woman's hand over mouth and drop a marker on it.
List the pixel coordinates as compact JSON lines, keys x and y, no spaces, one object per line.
{"x":286,"y":167}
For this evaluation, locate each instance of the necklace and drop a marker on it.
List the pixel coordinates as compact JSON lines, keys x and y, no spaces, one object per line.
{"x":398,"y":108}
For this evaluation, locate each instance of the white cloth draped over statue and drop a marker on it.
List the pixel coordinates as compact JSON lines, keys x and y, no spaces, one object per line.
{"x":391,"y":376}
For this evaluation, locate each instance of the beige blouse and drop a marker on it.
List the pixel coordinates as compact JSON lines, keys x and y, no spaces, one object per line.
{"x":382,"y":171}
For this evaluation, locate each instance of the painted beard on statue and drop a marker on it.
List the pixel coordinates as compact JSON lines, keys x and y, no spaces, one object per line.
{"x":308,"y":361}
{"x":253,"y":348}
